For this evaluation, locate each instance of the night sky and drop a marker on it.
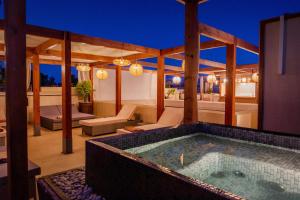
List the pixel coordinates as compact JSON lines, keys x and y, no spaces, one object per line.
{"x":155,"y":23}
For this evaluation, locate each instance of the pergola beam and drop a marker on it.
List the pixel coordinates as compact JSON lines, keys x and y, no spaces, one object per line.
{"x":191,"y":62}
{"x":118,"y":89}
{"x":205,"y":62}
{"x":66,"y":95}
{"x":160,"y":105}
{"x":36,"y":96}
{"x":44,"y":46}
{"x":112,"y":44}
{"x":227,"y":38}
{"x":230,"y":118}
{"x":212,"y":44}
{"x":16,"y":98}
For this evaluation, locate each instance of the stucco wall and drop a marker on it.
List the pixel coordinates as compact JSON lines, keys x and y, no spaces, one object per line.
{"x":281,"y":105}
{"x":48,"y":96}
{"x":133,"y":88}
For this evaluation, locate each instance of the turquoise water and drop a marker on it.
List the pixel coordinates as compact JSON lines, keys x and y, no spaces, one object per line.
{"x":250,"y":170}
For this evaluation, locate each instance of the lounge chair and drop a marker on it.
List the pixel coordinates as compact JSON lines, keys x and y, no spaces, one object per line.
{"x":51,"y":117}
{"x":100,"y":126}
{"x":171,"y":117}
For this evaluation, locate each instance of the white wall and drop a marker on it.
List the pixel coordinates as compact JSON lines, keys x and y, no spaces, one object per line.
{"x":241,"y":89}
{"x":133,"y":88}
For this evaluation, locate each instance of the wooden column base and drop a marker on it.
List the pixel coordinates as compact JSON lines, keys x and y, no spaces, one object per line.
{"x":67,"y":146}
{"x":37,"y":131}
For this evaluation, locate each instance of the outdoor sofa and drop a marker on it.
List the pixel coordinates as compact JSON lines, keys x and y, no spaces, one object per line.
{"x":51,"y":117}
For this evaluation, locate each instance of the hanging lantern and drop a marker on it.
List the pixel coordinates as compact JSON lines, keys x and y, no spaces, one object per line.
{"x":101,"y":74}
{"x":176,"y":80}
{"x":244,"y":80}
{"x":121,"y":62}
{"x":136,"y":69}
{"x":211,"y":78}
{"x":83,"y":67}
{"x":183,"y":65}
{"x":255,"y":77}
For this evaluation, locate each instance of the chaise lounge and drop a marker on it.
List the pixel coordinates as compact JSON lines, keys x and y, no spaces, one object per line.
{"x":100,"y":126}
{"x":171,"y":117}
{"x":51,"y":117}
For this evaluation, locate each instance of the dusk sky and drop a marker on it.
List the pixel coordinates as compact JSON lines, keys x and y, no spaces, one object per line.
{"x":156,"y":23}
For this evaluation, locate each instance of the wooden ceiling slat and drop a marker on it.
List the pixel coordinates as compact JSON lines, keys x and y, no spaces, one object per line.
{"x":46,"y":45}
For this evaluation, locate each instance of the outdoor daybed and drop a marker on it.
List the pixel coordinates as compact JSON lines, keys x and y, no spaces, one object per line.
{"x":51,"y":117}
{"x":107,"y":125}
{"x":171,"y":117}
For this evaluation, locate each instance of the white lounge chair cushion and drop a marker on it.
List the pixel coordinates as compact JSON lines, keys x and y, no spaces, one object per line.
{"x":127,"y":111}
{"x":171,"y":117}
{"x":125,"y":114}
{"x":102,"y":121}
{"x":151,"y":126}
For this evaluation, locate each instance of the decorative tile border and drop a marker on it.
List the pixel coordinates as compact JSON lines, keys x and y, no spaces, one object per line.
{"x":127,"y":141}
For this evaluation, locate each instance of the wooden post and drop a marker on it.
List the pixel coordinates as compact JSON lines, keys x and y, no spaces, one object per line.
{"x":92,"y":82}
{"x":66,"y":94}
{"x":160,"y":104}
{"x":36,"y":95}
{"x":230,"y":85}
{"x":118,"y":88}
{"x":191,"y":61}
{"x":16,"y":98}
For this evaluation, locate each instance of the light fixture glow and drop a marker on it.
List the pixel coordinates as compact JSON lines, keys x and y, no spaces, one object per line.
{"x":83,"y":67}
{"x":255,"y":77}
{"x":211,"y":78}
{"x":183,"y":65}
{"x":101,"y":74}
{"x":176,"y":80}
{"x":121,"y":62}
{"x":225,"y":80}
{"x":244,"y":80}
{"x":136,"y":69}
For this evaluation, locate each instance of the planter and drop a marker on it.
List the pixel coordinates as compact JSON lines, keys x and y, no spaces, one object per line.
{"x":86,"y":107}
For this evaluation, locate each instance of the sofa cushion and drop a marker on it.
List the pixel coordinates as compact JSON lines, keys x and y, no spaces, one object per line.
{"x":49,"y":110}
{"x":74,"y":109}
{"x":52,"y":118}
{"x":81,"y":116}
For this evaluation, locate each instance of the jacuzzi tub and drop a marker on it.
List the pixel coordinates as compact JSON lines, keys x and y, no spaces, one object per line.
{"x":199,"y":161}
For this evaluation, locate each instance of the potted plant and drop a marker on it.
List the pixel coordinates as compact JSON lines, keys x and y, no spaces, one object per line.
{"x":84,"y":89}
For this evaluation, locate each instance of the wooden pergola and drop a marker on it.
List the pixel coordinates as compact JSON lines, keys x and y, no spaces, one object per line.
{"x":48,"y":46}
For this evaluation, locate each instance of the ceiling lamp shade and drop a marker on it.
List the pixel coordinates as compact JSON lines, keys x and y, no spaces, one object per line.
{"x":176,"y":80}
{"x":255,"y":77}
{"x":136,"y":69}
{"x":121,"y":62}
{"x":101,"y":74}
{"x":83,"y":67}
{"x":244,"y":80}
{"x":211,"y":78}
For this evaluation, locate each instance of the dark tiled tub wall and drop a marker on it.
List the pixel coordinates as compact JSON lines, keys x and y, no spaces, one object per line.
{"x":119,"y":175}
{"x":116,"y":175}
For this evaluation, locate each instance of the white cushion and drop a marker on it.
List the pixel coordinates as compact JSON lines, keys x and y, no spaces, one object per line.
{"x":101,"y":121}
{"x":151,"y":126}
{"x":126,"y":112}
{"x":171,"y":117}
